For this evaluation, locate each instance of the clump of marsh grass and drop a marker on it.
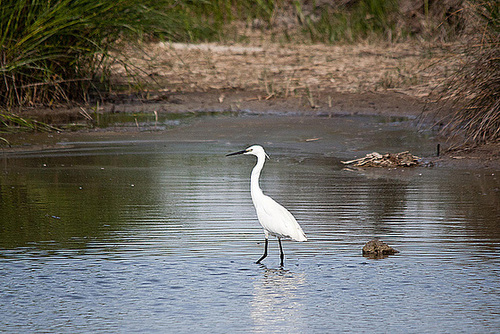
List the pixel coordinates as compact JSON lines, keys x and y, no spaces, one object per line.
{"x":473,"y":92}
{"x":10,"y":122}
{"x":53,"y":51}
{"x":354,"y":21}
{"x":378,"y":20}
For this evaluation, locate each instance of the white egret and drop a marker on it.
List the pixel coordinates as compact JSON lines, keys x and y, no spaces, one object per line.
{"x":274,"y":218}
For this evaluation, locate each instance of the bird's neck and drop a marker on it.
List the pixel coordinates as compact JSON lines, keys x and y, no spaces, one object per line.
{"x":254,"y":181}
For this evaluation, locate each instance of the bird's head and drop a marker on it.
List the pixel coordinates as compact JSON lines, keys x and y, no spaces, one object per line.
{"x":256,"y":150}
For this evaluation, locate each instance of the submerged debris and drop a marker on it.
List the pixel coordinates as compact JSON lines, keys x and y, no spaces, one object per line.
{"x":378,"y":249}
{"x":402,"y":159}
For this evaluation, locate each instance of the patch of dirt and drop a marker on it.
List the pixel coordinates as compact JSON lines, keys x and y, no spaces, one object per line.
{"x":292,"y":69}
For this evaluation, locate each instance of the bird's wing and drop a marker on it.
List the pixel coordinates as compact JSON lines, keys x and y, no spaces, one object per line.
{"x":278,"y":220}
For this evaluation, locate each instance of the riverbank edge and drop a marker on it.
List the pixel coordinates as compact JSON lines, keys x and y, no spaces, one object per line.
{"x":324,"y":104}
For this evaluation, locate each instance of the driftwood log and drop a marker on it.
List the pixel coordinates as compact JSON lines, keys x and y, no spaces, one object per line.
{"x":402,"y":159}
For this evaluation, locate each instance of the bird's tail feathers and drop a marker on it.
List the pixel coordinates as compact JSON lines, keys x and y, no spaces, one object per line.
{"x":301,"y":236}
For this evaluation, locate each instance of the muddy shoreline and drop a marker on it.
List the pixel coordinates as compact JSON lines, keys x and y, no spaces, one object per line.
{"x":394,"y":80}
{"x":226,"y":100}
{"x":330,"y":104}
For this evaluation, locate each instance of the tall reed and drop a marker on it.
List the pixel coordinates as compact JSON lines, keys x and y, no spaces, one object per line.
{"x":473,"y":92}
{"x":59,"y":50}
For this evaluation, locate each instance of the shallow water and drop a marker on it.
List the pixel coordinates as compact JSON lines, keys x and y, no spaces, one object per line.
{"x":155,"y":232}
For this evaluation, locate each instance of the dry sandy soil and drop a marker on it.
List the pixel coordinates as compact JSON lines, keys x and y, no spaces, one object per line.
{"x":282,"y":70}
{"x":263,"y":77}
{"x":392,"y":79}
{"x":331,"y":78}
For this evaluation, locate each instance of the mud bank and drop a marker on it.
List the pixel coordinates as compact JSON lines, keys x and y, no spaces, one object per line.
{"x":239,"y":103}
{"x":327,"y":103}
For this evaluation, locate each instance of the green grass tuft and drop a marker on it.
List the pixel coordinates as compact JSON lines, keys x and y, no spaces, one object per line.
{"x":363,"y":19}
{"x":53,"y":51}
{"x":10,"y":122}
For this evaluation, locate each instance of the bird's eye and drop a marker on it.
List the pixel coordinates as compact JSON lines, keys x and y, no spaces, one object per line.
{"x":249,"y":150}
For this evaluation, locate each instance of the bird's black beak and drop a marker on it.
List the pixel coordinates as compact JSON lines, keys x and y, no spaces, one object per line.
{"x":236,"y":153}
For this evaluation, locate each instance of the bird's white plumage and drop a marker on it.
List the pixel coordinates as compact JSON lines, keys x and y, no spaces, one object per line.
{"x":274,"y":218}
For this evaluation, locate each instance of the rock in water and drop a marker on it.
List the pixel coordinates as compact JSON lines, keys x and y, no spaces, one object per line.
{"x":378,"y":249}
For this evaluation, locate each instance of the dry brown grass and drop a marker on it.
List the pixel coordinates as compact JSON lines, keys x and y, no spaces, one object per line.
{"x":476,"y":93}
{"x":473,"y":91}
{"x":282,"y":70}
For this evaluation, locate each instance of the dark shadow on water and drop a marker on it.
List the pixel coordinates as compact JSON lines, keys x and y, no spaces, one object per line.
{"x":378,"y":256}
{"x":273,"y":271}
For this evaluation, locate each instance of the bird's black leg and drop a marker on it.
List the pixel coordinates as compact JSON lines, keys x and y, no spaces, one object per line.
{"x":282,"y":255}
{"x":265,"y":252}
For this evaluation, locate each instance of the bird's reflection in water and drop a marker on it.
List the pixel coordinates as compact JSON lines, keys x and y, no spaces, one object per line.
{"x":276,"y":300}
